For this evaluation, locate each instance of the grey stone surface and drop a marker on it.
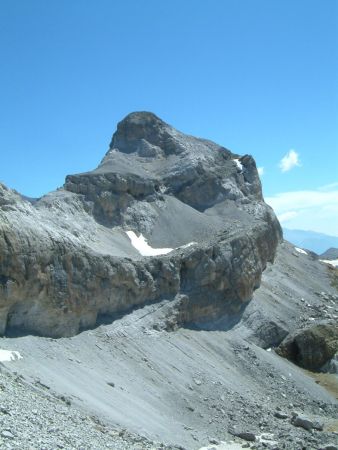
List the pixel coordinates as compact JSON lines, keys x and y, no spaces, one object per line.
{"x":181,"y":385}
{"x":66,"y":263}
{"x":37,"y":420}
{"x":305,"y":422}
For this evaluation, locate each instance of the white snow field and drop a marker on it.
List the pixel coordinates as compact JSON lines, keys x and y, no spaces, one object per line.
{"x":9,"y":355}
{"x":300,"y":250}
{"x":142,"y":246}
{"x":333,"y":262}
{"x":239,"y":164}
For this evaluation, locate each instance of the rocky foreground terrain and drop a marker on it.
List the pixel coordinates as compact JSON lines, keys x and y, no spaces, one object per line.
{"x":182,"y":387}
{"x":205,"y":343}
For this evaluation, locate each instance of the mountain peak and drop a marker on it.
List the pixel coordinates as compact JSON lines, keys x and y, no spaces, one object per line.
{"x":140,"y":118}
{"x":140,"y":129}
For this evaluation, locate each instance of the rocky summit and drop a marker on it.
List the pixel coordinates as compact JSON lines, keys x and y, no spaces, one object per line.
{"x":164,"y":216}
{"x":152,"y":304}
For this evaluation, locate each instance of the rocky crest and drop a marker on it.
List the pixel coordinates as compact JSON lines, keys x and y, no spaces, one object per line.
{"x":66,"y":262}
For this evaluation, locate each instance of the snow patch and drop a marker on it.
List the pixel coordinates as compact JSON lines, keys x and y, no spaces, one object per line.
{"x":224,"y":446}
{"x":266,"y":438}
{"x":141,"y":244}
{"x":239,"y":164}
{"x":9,"y":355}
{"x":333,"y":262}
{"x":300,"y":250}
{"x":187,"y":245}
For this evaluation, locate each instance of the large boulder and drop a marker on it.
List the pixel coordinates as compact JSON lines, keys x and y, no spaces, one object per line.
{"x":68,"y":260}
{"x":312,"y":346}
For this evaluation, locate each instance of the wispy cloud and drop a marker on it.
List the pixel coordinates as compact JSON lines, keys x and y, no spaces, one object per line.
{"x":260,"y":171}
{"x":289,"y":161}
{"x":315,"y":210}
{"x":329,"y":187}
{"x":287,"y":216}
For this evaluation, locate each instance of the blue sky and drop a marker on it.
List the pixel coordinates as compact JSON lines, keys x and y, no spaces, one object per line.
{"x":257,"y":76}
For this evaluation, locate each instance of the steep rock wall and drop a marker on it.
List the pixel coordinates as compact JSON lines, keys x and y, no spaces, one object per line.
{"x":66,"y":262}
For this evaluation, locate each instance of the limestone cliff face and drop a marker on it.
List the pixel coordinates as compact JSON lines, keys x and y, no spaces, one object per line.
{"x":66,"y":260}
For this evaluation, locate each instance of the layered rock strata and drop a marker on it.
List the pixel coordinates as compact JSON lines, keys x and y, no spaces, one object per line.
{"x":67,"y":263}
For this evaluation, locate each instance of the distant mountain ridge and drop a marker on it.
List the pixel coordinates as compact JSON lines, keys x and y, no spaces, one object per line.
{"x":316,"y":242}
{"x":331,"y":253}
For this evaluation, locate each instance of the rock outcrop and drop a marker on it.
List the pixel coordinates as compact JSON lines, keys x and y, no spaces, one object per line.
{"x":66,"y":262}
{"x":311,"y":347}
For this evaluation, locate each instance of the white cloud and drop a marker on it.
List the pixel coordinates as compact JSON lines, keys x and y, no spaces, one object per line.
{"x":289,"y":161}
{"x":315,"y":210}
{"x":260,"y":171}
{"x":329,"y":187}
{"x":286,"y":216}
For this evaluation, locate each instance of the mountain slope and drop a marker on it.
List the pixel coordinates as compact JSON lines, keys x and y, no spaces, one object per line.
{"x":183,"y":386}
{"x":331,"y":253}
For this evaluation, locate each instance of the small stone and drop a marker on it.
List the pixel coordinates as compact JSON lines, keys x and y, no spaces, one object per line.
{"x":303,"y":422}
{"x":7,"y":434}
{"x":246,"y":435}
{"x":318,"y":425}
{"x":280,"y":415}
{"x":4,"y":410}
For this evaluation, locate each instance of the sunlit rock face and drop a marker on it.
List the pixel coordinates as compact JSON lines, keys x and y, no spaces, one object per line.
{"x":67,"y":260}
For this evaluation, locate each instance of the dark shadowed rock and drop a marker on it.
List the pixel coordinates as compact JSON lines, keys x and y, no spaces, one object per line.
{"x":66,"y":262}
{"x":246,"y":435}
{"x":311,"y":347}
{"x":302,"y":421}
